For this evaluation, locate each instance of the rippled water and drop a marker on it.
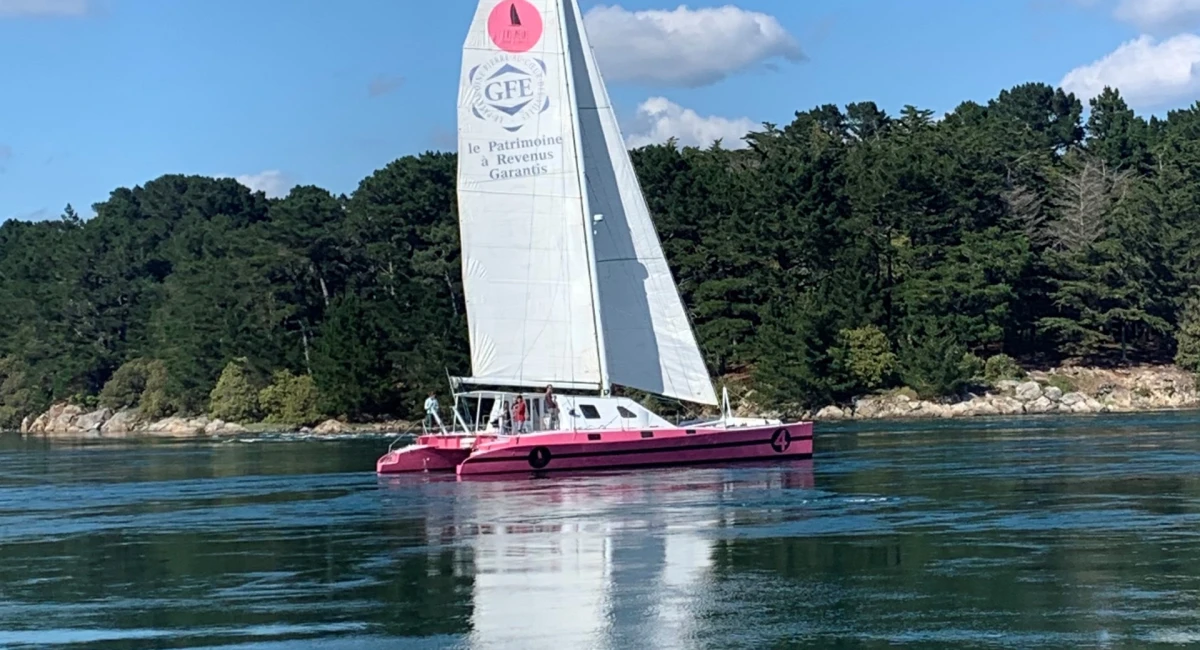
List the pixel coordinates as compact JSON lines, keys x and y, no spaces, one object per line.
{"x":1042,"y":532}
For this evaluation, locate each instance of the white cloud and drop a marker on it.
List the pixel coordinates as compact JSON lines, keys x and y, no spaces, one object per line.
{"x":659,"y":119}
{"x":272,"y":182}
{"x":685,"y":47}
{"x":43,"y":7}
{"x":1148,"y":73}
{"x":1159,"y":14}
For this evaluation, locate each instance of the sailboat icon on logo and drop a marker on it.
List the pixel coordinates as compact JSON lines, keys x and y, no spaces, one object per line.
{"x":515,"y":25}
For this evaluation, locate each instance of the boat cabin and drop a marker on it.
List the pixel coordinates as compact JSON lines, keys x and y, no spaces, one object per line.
{"x":482,"y":411}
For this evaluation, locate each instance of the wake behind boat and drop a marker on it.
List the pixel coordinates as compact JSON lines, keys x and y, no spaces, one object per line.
{"x":565,"y":280}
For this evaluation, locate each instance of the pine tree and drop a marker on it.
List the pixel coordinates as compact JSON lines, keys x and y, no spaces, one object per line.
{"x":1187,"y":355}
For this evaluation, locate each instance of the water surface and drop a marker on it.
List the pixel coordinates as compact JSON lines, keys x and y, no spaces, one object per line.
{"x":1031,"y":533}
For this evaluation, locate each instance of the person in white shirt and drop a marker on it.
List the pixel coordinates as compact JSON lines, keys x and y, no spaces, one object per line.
{"x":431,"y":409}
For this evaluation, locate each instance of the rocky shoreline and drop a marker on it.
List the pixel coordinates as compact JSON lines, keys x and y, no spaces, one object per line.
{"x":1058,"y":391}
{"x":72,"y":421}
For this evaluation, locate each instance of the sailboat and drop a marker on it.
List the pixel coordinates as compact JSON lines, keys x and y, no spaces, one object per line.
{"x":566,"y":284}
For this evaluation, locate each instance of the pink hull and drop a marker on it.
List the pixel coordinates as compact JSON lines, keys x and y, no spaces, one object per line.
{"x":583,"y":450}
{"x":428,"y":454}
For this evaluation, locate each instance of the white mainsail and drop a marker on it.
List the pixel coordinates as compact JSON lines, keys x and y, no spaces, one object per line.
{"x":526,"y":271}
{"x":565,"y":279}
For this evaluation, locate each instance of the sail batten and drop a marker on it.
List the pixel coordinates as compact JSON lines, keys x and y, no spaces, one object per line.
{"x":551,"y":294}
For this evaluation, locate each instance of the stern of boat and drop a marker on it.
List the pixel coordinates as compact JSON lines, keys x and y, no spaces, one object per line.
{"x":427,"y":454}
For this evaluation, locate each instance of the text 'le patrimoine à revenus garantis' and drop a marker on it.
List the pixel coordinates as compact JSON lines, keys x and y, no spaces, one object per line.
{"x":518,"y":157}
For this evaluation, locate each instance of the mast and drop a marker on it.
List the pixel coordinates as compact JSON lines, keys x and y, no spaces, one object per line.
{"x":588,"y":219}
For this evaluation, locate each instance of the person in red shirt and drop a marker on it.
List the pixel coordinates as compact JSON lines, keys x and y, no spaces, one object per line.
{"x":519,"y":415}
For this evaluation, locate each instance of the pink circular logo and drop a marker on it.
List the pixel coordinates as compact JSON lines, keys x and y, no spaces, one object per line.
{"x":515,"y":26}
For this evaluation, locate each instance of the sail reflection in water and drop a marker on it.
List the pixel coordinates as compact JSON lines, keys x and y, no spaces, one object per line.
{"x":553,"y":579}
{"x":607,"y":561}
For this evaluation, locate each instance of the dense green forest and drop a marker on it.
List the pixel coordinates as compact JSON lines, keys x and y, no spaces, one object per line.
{"x":848,"y":251}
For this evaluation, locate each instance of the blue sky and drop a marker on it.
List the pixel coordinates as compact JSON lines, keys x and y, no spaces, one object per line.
{"x":108,"y":93}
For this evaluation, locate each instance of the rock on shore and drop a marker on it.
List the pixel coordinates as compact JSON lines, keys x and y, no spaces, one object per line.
{"x":70,"y":420}
{"x":1062,"y":390}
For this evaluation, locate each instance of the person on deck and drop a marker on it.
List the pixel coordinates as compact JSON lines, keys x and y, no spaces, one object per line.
{"x":431,"y":408}
{"x":505,"y":419}
{"x":519,"y":415}
{"x":551,"y":409}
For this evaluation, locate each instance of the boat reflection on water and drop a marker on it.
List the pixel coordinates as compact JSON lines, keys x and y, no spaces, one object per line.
{"x":790,"y":474}
{"x":793,"y":474}
{"x":596,"y":560}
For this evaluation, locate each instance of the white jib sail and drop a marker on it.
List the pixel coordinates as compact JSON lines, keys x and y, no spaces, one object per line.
{"x":648,"y":339}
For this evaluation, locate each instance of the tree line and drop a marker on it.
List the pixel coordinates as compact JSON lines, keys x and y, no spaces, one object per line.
{"x":848,"y":251}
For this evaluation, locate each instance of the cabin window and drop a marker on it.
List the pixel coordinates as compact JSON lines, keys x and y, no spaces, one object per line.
{"x":625,"y":413}
{"x":589,"y":411}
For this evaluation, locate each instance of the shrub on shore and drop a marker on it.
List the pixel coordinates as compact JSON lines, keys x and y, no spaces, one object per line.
{"x":290,"y":400}
{"x":141,"y":384}
{"x":235,"y":397}
{"x":1000,"y":367}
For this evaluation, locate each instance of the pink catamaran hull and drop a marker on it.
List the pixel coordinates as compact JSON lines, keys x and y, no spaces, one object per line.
{"x":593,"y":450}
